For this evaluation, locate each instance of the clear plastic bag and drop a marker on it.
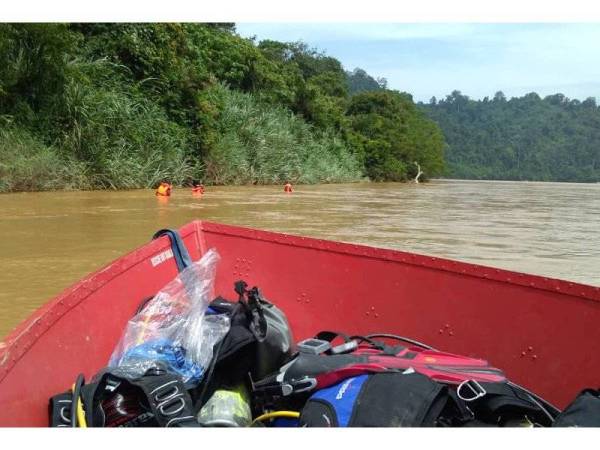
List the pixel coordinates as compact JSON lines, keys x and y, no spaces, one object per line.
{"x":173,"y":330}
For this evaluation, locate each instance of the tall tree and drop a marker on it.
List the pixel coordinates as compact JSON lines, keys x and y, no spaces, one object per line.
{"x":392,"y":134}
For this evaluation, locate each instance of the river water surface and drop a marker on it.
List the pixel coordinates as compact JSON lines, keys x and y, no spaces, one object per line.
{"x":51,"y":240}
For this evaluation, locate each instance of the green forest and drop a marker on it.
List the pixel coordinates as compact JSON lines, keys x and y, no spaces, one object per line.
{"x":121,"y":106}
{"x":524,"y":138}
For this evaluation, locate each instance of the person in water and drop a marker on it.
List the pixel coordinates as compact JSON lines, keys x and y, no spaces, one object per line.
{"x":288,"y":187}
{"x":164,"y":189}
{"x":197,"y":188}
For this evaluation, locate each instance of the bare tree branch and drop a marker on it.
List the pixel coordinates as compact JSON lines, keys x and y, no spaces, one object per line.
{"x":419,"y":172}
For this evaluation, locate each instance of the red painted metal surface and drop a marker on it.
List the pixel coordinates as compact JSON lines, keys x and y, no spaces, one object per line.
{"x":540,"y":331}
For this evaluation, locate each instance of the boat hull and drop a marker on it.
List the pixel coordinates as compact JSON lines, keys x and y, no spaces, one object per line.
{"x":540,"y":331}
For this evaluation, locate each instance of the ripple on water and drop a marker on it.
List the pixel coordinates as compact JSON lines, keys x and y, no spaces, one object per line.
{"x":549,"y":229}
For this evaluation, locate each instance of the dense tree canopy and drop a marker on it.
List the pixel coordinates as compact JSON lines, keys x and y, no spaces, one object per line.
{"x":524,"y":138}
{"x":393,"y":135}
{"x":360,"y":81}
{"x":127,"y":104}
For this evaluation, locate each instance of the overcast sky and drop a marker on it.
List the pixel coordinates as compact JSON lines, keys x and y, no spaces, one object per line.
{"x":478,"y":59}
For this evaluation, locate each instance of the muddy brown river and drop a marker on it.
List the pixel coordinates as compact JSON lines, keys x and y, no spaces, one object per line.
{"x":51,"y":240}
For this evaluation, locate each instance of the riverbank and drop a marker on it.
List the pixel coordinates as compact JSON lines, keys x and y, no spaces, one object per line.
{"x":254,"y":144}
{"x":473,"y":180}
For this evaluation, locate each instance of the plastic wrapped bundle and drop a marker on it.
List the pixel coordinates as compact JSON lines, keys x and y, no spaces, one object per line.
{"x":173,"y":331}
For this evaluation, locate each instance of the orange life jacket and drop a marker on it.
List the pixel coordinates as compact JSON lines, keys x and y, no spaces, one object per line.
{"x":287,"y":188}
{"x":164,"y":189}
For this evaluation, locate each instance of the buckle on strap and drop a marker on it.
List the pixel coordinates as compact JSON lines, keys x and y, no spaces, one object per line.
{"x":285,"y":388}
{"x":304,"y":384}
{"x":470,"y":390}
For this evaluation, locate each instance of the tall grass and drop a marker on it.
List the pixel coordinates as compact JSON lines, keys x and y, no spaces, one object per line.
{"x":112,"y":137}
{"x":100,"y":133}
{"x":26,"y":164}
{"x":263,"y":144}
{"x":128,"y":141}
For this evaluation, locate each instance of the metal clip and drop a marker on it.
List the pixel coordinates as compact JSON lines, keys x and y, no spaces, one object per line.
{"x":172,"y":406}
{"x":303,"y":385}
{"x":477,"y":390}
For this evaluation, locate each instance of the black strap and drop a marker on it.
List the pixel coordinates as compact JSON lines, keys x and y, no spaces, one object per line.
{"x":501,"y":399}
{"x":180,"y":253}
{"x":504,"y":390}
{"x":169,"y":400}
{"x":182,"y":260}
{"x":165,"y":393}
{"x":455,"y":412}
{"x":63,"y":407}
{"x":60,"y":410}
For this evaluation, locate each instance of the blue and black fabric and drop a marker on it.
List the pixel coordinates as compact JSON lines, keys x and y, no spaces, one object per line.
{"x":180,"y":253}
{"x":379,"y":400}
{"x":395,"y":399}
{"x":584,"y":411}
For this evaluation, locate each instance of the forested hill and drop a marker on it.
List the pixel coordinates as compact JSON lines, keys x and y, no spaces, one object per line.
{"x":86,"y":106}
{"x":359,"y":80}
{"x":524,"y":138}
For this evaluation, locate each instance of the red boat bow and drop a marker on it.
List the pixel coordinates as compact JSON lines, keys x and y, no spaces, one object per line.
{"x":541,"y":332}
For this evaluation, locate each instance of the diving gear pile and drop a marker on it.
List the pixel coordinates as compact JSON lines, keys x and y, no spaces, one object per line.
{"x":186,"y":359}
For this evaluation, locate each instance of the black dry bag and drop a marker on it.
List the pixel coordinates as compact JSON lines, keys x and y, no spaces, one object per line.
{"x":584,"y":411}
{"x":259,"y":341}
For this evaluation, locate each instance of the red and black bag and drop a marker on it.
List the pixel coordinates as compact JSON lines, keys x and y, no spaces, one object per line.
{"x":417,"y":378}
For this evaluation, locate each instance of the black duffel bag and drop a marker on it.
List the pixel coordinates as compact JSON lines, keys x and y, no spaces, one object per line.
{"x":258,"y":343}
{"x":584,"y":411}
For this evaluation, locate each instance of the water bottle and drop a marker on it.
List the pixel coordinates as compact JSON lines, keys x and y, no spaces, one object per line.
{"x":227,"y":408}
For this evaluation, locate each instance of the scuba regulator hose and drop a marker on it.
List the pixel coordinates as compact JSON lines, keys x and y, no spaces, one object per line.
{"x":400,"y":338}
{"x":275,"y":415}
{"x":77,"y":413}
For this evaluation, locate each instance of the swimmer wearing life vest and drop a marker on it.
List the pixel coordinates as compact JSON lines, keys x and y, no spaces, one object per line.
{"x":197,"y":189}
{"x":288,"y":188}
{"x":164,"y":189}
